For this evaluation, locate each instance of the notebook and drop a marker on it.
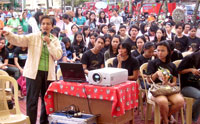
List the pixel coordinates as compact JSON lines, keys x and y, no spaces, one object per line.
{"x":73,"y":72}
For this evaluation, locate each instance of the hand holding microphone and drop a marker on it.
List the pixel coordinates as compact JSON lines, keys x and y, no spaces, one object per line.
{"x":45,"y":38}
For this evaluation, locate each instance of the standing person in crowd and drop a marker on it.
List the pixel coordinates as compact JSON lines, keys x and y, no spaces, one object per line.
{"x":186,"y":29}
{"x":86,"y":35}
{"x":102,"y":19}
{"x":181,"y":40}
{"x":92,"y":21}
{"x":159,"y":35}
{"x":113,"y":49}
{"x":79,"y":19}
{"x":66,"y":27}
{"x":170,"y":34}
{"x":24,"y":23}
{"x":43,"y":50}
{"x":176,"y":100}
{"x":13,"y":22}
{"x":126,"y":61}
{"x":122,"y":33}
{"x":140,"y":41}
{"x":93,"y":58}
{"x":116,"y":19}
{"x":188,"y":68}
{"x":34,"y":22}
{"x":133,"y":32}
{"x":78,"y":45}
{"x":194,"y":42}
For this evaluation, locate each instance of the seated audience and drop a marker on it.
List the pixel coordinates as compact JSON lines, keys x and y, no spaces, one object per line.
{"x":112,"y":51}
{"x":154,"y":72}
{"x":133,"y":32}
{"x":140,"y":41}
{"x":181,"y":40}
{"x":70,"y":54}
{"x":108,"y":39}
{"x":194,"y":42}
{"x":122,"y":33}
{"x":78,"y":45}
{"x":93,"y":37}
{"x":190,"y":68}
{"x":148,"y":49}
{"x":126,"y":61}
{"x":175,"y":54}
{"x":93,"y":58}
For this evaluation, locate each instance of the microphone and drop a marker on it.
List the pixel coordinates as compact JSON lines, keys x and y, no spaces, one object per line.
{"x":44,"y":34}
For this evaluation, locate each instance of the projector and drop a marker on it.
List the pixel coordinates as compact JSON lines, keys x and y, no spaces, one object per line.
{"x":107,"y":76}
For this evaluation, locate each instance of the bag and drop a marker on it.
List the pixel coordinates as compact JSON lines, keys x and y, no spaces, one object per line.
{"x":22,"y":83}
{"x":163,"y":90}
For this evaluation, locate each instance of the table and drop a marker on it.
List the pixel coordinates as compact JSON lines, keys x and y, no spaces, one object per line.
{"x":115,"y":104}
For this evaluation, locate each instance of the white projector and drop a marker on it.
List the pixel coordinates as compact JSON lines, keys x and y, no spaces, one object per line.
{"x":107,"y":76}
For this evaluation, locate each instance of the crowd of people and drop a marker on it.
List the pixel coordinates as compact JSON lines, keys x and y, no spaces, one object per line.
{"x":32,"y":45}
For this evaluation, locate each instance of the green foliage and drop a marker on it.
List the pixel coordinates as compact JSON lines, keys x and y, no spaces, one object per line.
{"x":76,"y":2}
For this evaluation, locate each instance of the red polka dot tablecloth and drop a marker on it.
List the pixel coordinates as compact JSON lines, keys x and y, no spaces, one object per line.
{"x":123,"y":96}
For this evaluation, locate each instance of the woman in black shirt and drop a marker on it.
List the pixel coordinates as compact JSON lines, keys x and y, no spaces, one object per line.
{"x":126,"y":61}
{"x":148,"y":49}
{"x":20,"y":56}
{"x":194,"y":42}
{"x":78,"y":45}
{"x":139,"y":45}
{"x":190,"y":65}
{"x":163,"y":61}
{"x":112,"y":51}
{"x":181,"y":40}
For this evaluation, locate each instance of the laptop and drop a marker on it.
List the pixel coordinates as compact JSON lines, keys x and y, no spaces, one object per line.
{"x":73,"y":72}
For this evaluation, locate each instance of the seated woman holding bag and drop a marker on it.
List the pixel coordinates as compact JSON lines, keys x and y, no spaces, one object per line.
{"x":189,"y":69}
{"x":155,"y":69}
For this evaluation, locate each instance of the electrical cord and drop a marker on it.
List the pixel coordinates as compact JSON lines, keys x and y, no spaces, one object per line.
{"x":97,"y":115}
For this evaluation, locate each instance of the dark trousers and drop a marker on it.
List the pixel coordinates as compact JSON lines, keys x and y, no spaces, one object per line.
{"x":35,"y":88}
{"x":194,"y":93}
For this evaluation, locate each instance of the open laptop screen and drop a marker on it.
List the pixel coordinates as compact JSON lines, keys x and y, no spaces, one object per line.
{"x":72,"y":72}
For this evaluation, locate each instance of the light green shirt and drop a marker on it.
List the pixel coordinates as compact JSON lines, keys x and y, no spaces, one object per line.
{"x":44,"y":59}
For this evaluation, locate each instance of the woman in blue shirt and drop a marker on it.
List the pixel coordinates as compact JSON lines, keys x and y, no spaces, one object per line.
{"x":79,"y":19}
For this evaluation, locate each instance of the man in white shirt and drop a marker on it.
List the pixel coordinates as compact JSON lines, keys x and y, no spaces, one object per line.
{"x":116,"y":19}
{"x":66,"y":28}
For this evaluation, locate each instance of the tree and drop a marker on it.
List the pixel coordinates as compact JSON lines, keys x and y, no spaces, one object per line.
{"x":139,"y":12}
{"x":160,"y":9}
{"x":194,"y":17}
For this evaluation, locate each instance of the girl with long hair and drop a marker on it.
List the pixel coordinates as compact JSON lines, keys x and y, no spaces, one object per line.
{"x":113,"y":49}
{"x":78,"y":45}
{"x":155,"y":72}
